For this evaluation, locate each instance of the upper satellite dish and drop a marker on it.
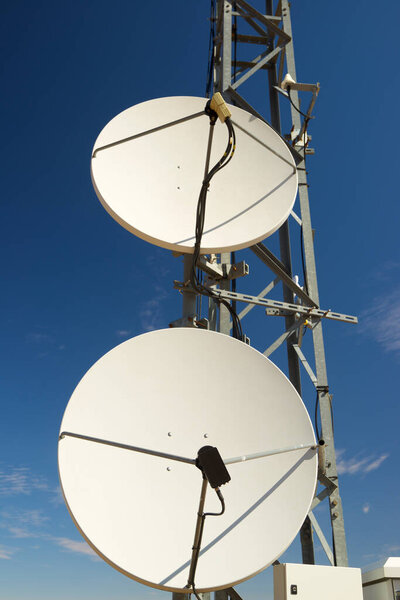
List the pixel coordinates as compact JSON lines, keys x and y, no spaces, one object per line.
{"x":148,"y":166}
{"x":161,"y":392}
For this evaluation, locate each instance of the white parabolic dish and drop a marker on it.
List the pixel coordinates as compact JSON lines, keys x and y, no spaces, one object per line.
{"x":175,"y":391}
{"x":150,"y":182}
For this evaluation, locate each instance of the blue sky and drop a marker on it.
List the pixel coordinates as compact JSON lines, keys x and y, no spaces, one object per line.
{"x":75,"y":284}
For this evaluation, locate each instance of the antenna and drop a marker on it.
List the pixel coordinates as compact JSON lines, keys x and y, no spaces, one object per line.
{"x":138,"y":505}
{"x":148,"y":164}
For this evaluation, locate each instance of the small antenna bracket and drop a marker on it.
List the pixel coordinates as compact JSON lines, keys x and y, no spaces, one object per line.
{"x":300,"y":137}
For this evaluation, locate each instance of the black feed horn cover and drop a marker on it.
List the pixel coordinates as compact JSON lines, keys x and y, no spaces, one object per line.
{"x":209,"y":461}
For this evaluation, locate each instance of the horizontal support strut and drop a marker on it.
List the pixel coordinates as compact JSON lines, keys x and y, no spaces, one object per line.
{"x":309,"y":312}
{"x":245,"y":457}
{"x":96,"y":440}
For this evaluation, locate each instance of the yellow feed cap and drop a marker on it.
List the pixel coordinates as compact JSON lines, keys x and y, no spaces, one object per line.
{"x":221,"y":108}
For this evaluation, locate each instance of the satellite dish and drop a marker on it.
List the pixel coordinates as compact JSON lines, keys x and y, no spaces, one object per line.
{"x":148,"y":166}
{"x":172,"y":392}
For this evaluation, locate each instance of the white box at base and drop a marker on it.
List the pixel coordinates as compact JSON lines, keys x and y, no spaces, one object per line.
{"x":316,"y":582}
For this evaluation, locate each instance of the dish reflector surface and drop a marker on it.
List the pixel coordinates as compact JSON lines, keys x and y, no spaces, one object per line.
{"x":150,"y":182}
{"x":175,"y":391}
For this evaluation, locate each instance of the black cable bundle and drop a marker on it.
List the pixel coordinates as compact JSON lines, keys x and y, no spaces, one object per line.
{"x":307,"y":119}
{"x":303,"y":259}
{"x":296,"y":107}
{"x":210,"y":66}
{"x":316,"y":417}
{"x":200,"y":218}
{"x":203,"y":518}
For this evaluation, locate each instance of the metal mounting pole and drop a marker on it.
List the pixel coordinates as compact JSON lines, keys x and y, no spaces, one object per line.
{"x":223,"y":81}
{"x":188,"y":298}
{"x":198,"y":534}
{"x":188,"y":312}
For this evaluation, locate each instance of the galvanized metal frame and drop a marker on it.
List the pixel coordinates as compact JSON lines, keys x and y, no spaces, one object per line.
{"x":274,"y":31}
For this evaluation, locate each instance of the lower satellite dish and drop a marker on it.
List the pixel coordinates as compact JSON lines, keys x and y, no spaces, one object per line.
{"x":159,"y":398}
{"x":148,"y":166}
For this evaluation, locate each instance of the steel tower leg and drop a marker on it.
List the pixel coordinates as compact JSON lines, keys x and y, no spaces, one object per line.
{"x":336,"y":510}
{"x":306,"y":534}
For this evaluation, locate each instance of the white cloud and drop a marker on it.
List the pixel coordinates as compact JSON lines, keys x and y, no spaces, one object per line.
{"x":6,"y":553}
{"x":39,"y":483}
{"x":33,"y":517}
{"x":57,"y":497}
{"x":381,"y":321}
{"x":375,"y":464}
{"x":358,"y":464}
{"x":44,"y":342}
{"x":122,"y":332}
{"x":23,"y":523}
{"x":74,"y":546}
{"x":156,"y":264}
{"x":15,"y":481}
{"x":366,"y":508}
{"x":19,"y":532}
{"x":387,"y":271}
{"x":151,"y":314}
{"x":375,"y":559}
{"x":19,"y":480}
{"x":38,"y":338}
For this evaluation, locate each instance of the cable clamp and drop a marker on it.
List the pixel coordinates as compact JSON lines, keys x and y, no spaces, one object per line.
{"x":211,"y":113}
{"x":322,"y":388}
